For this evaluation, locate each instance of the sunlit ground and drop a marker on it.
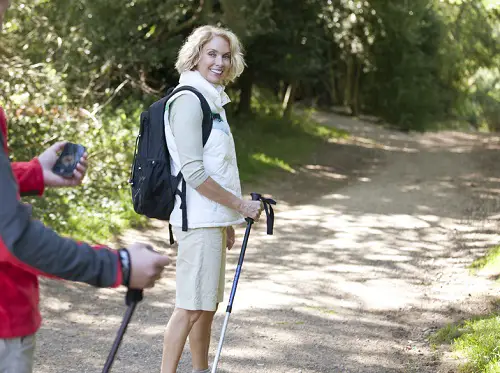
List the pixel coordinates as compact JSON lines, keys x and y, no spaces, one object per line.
{"x":350,"y":278}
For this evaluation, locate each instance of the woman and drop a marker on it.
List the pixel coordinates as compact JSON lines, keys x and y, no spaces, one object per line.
{"x":210,"y":58}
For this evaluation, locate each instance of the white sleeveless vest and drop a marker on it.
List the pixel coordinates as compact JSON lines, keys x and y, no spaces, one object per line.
{"x":219,"y":161}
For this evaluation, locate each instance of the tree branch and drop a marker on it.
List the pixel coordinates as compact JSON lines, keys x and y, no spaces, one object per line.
{"x":186,"y":24}
{"x":143,"y":85}
{"x":115,"y":92}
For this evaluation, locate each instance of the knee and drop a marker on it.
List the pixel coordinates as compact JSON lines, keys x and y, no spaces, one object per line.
{"x":188,"y":316}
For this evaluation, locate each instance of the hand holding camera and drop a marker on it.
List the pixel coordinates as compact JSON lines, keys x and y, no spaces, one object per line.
{"x":65,"y":169}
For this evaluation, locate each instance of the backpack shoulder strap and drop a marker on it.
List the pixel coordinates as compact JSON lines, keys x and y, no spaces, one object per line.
{"x":205,"y":107}
{"x":158,"y":107}
{"x":206,"y":129}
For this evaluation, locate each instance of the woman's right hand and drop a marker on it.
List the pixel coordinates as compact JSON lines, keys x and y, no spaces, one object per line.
{"x":250,"y":209}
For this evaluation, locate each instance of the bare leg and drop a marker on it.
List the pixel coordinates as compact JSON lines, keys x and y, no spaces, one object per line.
{"x":199,"y":340}
{"x":178,"y":328}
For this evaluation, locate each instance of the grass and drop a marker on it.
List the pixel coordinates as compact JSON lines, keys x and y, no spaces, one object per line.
{"x":446,"y":335}
{"x":102,"y":208}
{"x":88,"y":219}
{"x":489,"y":263}
{"x":476,"y":341}
{"x":268,"y":142}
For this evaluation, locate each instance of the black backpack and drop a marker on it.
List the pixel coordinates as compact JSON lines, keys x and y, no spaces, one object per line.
{"x":153,"y":186}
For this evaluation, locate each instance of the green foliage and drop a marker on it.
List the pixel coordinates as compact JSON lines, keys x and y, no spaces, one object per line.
{"x":281,"y":52}
{"x":471,"y":56}
{"x":412,"y":63}
{"x":405,"y":87}
{"x":267,"y":141}
{"x":101,"y":206}
{"x":83,"y":70}
{"x":484,"y":99}
{"x":480,"y":344}
{"x":476,"y":341}
{"x":447,"y":334}
{"x":490,"y":262}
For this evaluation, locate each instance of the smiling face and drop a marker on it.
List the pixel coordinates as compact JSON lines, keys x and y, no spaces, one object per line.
{"x":215,"y":60}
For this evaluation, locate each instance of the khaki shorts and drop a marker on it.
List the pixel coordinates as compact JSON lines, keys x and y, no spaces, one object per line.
{"x":16,"y":354}
{"x":200,"y":268}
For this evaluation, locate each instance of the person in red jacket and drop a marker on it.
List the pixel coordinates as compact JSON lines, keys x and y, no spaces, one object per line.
{"x":29,"y":249}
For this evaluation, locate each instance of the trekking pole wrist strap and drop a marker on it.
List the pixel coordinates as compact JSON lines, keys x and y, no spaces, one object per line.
{"x":268,"y":208}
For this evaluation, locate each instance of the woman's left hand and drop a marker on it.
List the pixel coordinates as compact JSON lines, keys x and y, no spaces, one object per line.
{"x":231,"y":237}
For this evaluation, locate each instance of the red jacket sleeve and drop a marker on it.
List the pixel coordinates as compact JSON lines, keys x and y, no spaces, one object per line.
{"x":31,"y":246}
{"x":23,"y":239}
{"x":29,"y":175}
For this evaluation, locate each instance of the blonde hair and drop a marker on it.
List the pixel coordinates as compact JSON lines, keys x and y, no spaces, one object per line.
{"x":190,"y":52}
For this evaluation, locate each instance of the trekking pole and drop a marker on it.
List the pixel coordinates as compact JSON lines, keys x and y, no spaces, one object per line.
{"x":270,"y":222}
{"x":133,"y":297}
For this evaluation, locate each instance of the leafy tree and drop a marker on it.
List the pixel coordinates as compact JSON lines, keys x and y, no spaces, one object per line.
{"x":83,"y":70}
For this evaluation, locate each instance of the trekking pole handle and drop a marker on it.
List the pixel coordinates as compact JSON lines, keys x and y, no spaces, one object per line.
{"x":133,"y":296}
{"x":136,"y":295}
{"x":255,"y":197}
{"x":267,"y":204}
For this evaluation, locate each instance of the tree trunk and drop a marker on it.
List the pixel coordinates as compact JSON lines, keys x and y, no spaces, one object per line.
{"x":232,"y":16}
{"x":246,"y":84}
{"x":332,"y":89}
{"x":287,"y":105}
{"x":355,"y":94}
{"x":348,"y":81}
{"x":207,"y":7}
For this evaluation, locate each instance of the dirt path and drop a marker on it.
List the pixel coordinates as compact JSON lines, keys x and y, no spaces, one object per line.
{"x":369,"y":256}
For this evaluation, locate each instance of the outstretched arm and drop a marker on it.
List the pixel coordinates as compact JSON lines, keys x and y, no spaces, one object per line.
{"x":29,"y":244}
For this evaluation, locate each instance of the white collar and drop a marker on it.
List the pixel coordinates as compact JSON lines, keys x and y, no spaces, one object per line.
{"x":214,"y":93}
